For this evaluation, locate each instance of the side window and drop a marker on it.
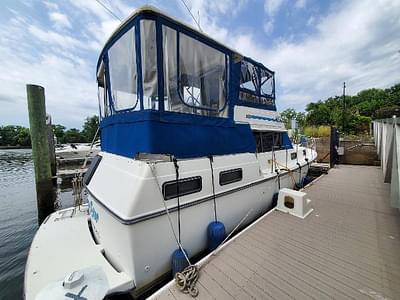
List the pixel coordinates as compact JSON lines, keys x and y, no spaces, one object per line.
{"x":265,"y":141}
{"x":195,"y":80}
{"x":230,"y":176}
{"x":123,"y":77}
{"x":257,"y":138}
{"x":186,"y":186}
{"x":149,"y":64}
{"x":249,"y":76}
{"x":293,"y":155}
{"x":267,"y":83}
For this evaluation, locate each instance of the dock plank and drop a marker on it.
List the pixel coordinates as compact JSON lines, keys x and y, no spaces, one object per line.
{"x":348,"y":248}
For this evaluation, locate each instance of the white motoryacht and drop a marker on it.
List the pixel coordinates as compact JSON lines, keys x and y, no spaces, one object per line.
{"x":189,"y":134}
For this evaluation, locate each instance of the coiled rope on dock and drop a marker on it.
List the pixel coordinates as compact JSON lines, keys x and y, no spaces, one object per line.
{"x":186,"y":280}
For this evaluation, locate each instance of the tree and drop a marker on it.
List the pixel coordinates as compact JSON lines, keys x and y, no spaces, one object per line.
{"x":23,"y":137}
{"x":73,"y":135}
{"x":59,"y":132}
{"x":90,"y":128}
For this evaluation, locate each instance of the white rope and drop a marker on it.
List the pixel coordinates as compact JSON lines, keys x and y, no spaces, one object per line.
{"x":153,"y":171}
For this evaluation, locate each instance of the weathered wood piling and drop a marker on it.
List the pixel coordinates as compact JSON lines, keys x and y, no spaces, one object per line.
{"x":40,"y":150}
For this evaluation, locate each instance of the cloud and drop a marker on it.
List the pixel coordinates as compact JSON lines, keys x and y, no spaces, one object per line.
{"x":300,"y":3}
{"x":60,"y":20}
{"x":351,"y":43}
{"x":271,"y":8}
{"x":268,"y":26}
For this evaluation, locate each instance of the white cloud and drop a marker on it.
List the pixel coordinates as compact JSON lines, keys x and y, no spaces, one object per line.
{"x":269,"y":26}
{"x":352,"y":43}
{"x":300,"y":3}
{"x":60,"y":20}
{"x":271,"y":7}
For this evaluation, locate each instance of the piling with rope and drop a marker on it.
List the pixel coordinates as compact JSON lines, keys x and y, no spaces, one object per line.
{"x":40,"y":150}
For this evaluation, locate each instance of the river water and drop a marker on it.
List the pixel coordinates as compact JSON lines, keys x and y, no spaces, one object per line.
{"x":18,"y":217}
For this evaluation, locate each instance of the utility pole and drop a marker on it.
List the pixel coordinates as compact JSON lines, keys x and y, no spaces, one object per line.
{"x":344,"y":107}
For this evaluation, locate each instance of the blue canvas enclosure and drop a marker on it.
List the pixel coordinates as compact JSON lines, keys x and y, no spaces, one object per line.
{"x":165,"y":88}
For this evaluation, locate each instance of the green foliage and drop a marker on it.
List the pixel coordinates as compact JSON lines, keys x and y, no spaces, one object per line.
{"x":11,"y":135}
{"x":358,"y":111}
{"x":317,"y":131}
{"x":14,"y":136}
{"x":59,"y":133}
{"x":387,"y":112}
{"x":73,"y":135}
{"x":89,"y":128}
{"x":290,"y":114}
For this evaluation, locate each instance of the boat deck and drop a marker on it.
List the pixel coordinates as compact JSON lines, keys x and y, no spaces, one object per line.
{"x":348,"y":248}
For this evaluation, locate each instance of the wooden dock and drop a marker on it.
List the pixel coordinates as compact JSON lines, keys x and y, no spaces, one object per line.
{"x":348,"y":248}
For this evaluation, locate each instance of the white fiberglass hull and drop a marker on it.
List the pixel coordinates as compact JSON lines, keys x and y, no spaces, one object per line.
{"x":129,"y":221}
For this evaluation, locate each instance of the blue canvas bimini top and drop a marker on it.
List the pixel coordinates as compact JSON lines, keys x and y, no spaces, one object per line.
{"x":165,"y":88}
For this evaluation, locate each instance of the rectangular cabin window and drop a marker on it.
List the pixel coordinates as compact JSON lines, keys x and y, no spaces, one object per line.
{"x":194,"y":82}
{"x":186,"y":186}
{"x":149,"y":64}
{"x":265,"y":141}
{"x":293,"y":155}
{"x":123,"y":73}
{"x":230,"y":176}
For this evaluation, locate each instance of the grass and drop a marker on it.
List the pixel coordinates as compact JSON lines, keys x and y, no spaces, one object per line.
{"x":317,"y":131}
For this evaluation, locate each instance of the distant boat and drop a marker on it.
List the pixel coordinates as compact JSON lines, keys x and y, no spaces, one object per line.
{"x":189,"y":134}
{"x":76,"y":151}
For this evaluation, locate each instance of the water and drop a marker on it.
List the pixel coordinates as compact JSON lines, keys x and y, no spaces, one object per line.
{"x":18,"y":218}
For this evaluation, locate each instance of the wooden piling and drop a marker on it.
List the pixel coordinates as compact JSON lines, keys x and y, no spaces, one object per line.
{"x":40,"y":150}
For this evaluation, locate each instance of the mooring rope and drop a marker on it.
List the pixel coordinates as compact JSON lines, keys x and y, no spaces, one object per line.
{"x":186,"y":280}
{"x":213,"y":188}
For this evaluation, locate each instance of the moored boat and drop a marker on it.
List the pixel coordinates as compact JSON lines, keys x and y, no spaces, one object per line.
{"x":189,"y":135}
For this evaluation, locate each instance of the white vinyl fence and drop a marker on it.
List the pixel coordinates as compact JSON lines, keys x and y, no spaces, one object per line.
{"x":387,"y":140}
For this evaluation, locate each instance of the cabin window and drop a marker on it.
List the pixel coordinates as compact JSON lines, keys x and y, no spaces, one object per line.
{"x":123,"y":77}
{"x":249,"y":77}
{"x":149,"y":64}
{"x":100,"y":95}
{"x":186,"y":186}
{"x":102,"y":92}
{"x":293,"y":155}
{"x":266,"y":141}
{"x":256,"y":84}
{"x":195,"y":82}
{"x":230,"y":176}
{"x":267,"y":83}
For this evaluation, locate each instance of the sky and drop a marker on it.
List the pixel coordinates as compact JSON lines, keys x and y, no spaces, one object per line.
{"x":313,"y":46}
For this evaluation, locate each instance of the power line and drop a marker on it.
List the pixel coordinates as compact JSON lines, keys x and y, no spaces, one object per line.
{"x":190,"y":12}
{"x":109,"y":10}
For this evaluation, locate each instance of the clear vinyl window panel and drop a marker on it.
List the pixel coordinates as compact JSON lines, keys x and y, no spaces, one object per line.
{"x":123,"y":72}
{"x":267,"y":83}
{"x":195,"y":82}
{"x":149,"y":64}
{"x":249,"y":78}
{"x":266,"y":141}
{"x":104,"y":108}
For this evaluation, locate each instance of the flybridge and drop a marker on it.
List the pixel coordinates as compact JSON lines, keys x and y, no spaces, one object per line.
{"x":166,"y":88}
